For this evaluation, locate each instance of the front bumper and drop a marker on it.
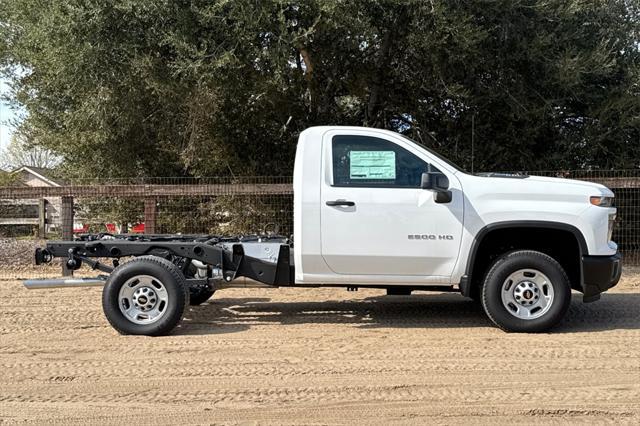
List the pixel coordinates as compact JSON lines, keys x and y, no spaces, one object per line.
{"x":599,"y":273}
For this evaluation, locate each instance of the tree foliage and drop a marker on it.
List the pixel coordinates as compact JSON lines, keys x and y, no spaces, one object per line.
{"x":192,"y":88}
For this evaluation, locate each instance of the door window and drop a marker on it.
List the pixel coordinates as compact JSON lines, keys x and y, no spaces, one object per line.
{"x":365,"y":161}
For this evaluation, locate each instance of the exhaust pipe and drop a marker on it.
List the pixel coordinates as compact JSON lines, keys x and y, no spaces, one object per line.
{"x":65,"y":282}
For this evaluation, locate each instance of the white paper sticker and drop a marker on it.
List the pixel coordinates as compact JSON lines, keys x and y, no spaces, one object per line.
{"x":372,"y":165}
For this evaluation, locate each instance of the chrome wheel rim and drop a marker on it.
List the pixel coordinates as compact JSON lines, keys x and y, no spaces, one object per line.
{"x":143,"y":299}
{"x":527,"y":294}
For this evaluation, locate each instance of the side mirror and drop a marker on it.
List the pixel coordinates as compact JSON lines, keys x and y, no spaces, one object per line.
{"x":439,"y":184}
{"x":434,"y":181}
{"x":443,"y":197}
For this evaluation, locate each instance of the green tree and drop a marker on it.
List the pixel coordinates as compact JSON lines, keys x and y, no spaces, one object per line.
{"x":192,"y":88}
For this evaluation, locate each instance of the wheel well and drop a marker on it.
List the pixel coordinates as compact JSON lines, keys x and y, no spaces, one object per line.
{"x":560,"y":244}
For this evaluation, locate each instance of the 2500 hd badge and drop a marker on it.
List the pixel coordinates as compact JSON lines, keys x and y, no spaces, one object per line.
{"x":429,"y":237}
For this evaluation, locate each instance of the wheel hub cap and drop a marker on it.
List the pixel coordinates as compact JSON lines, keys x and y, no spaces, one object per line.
{"x":143,"y":299}
{"x":527,"y":294}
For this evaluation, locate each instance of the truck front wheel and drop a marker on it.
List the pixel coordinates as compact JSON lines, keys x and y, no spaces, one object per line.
{"x":526,"y":291}
{"x":145,"y":296}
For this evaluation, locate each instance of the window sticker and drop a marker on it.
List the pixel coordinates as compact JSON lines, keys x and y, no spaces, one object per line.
{"x":372,"y":165}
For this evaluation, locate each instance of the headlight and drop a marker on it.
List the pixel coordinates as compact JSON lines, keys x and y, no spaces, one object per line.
{"x":601,"y":201}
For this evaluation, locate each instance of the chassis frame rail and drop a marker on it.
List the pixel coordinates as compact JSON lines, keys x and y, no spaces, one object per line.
{"x":233,"y":263}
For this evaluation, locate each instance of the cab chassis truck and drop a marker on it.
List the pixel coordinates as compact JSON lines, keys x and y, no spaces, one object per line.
{"x":375,"y":209}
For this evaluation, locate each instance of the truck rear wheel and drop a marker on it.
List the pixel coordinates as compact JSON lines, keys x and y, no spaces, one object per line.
{"x":526,"y":291}
{"x":145,"y":296}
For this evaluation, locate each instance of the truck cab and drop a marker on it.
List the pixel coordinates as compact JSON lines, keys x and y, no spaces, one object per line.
{"x":361,"y":215}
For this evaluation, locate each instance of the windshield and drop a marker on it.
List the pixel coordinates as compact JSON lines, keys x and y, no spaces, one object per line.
{"x":435,"y":154}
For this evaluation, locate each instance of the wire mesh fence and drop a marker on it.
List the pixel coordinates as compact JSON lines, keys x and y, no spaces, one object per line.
{"x":30,"y":215}
{"x":216,"y":206}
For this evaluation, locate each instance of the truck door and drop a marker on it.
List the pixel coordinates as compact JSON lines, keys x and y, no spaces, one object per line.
{"x":375,"y":218}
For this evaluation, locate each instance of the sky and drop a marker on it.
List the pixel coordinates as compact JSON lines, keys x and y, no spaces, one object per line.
{"x":6,"y":115}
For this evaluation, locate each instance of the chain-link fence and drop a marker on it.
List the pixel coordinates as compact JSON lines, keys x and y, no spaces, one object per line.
{"x":33,"y":212}
{"x":29,"y":215}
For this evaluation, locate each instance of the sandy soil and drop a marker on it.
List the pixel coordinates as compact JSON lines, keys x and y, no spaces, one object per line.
{"x":317,"y":356}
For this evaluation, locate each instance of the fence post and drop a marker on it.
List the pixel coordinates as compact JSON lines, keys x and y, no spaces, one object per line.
{"x":66,"y":227}
{"x":42,"y":218}
{"x":150,"y":215}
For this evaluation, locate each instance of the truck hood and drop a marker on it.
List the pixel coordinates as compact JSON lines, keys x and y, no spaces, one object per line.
{"x":562,"y":181}
{"x":525,"y":183}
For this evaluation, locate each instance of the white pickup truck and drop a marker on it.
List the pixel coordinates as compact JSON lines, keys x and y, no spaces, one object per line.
{"x":373,"y":208}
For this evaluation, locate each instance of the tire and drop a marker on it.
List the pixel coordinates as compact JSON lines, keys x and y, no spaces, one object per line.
{"x":198,"y":297}
{"x":526,"y":291}
{"x":148,"y":286}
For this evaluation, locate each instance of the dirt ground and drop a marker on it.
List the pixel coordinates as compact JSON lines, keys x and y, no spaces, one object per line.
{"x":317,"y":356}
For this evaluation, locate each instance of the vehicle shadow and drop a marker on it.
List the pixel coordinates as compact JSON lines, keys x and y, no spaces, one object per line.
{"x":616,"y":311}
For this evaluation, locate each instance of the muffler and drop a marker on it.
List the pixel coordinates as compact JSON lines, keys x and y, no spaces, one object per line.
{"x":66,"y":282}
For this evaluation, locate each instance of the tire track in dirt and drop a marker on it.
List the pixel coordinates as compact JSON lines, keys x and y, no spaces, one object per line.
{"x":387,"y":393}
{"x":308,"y":356}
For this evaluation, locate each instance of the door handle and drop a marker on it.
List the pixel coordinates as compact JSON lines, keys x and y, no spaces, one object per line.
{"x":341,"y":203}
